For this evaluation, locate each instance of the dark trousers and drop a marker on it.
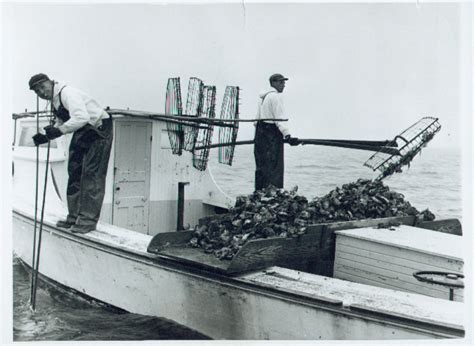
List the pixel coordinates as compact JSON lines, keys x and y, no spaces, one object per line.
{"x":269,"y":156}
{"x":89,"y":154}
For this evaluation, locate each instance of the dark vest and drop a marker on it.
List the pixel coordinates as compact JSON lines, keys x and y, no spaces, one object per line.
{"x":62,"y":113}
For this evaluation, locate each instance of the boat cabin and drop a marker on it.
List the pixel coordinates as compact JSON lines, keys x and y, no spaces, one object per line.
{"x":145,"y":181}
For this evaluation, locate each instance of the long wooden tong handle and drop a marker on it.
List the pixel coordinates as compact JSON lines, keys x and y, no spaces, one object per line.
{"x":383,"y":146}
{"x":386,"y":147}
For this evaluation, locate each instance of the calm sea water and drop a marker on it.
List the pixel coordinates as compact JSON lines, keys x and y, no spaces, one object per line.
{"x":433,"y":181}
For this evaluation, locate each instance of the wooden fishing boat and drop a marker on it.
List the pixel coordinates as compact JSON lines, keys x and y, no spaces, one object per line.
{"x":287,"y":289}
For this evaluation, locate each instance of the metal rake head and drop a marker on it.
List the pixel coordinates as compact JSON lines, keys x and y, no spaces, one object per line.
{"x":410,"y":143}
{"x":204,"y":134}
{"x":173,"y":106}
{"x":229,"y":110}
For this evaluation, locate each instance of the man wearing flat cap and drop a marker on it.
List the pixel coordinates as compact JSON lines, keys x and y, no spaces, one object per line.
{"x":89,"y":150}
{"x":270,"y":136}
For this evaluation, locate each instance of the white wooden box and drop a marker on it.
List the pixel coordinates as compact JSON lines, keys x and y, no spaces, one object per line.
{"x":388,"y":258}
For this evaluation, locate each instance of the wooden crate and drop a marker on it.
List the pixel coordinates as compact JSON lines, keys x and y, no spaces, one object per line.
{"x":388,"y":258}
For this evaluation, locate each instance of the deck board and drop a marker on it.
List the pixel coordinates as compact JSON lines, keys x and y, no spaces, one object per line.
{"x":388,"y":258}
{"x":351,"y":293}
{"x":412,"y":238}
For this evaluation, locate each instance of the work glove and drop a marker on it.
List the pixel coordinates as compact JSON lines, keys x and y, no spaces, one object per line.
{"x":39,"y":139}
{"x":52,"y":132}
{"x":292,"y":140}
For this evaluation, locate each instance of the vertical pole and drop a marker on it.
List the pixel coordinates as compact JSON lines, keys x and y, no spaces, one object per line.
{"x":33,"y":258}
{"x":180,"y":220}
{"x":36,"y":270}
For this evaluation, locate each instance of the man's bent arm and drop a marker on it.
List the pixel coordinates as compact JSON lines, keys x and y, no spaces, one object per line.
{"x":77,"y":110}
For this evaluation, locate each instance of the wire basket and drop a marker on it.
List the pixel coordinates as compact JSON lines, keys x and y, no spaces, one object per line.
{"x":204,"y":133}
{"x":194,"y":105}
{"x":410,"y":142}
{"x":173,"y":106}
{"x":229,"y":110}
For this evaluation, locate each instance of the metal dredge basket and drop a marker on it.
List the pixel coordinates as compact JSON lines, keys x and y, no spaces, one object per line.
{"x":204,"y":134}
{"x":193,"y":109}
{"x":410,"y":143}
{"x":173,"y":106}
{"x":229,"y":111}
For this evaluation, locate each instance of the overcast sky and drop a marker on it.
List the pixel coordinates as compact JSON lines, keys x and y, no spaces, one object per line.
{"x":357,"y":71}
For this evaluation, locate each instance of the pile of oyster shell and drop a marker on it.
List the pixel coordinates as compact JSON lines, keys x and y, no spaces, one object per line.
{"x":273,"y":212}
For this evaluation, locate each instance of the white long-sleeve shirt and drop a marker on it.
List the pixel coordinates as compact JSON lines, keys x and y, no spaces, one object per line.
{"x":82,"y":108}
{"x":270,"y":106}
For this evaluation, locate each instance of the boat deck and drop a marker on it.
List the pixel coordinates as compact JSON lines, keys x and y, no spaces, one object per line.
{"x":349,"y":295}
{"x":353,"y":295}
{"x":105,"y":233}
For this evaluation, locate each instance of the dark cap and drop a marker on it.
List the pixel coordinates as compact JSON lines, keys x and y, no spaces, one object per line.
{"x":37,"y":79}
{"x":277,"y":77}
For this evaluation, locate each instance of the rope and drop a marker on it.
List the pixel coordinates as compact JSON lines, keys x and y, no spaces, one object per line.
{"x":36,"y":270}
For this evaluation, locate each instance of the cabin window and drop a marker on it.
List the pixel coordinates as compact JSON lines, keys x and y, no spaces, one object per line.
{"x":26,"y":139}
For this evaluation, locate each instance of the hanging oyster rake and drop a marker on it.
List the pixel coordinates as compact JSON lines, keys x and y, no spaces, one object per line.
{"x":229,"y":111}
{"x":410,"y":141}
{"x":203,"y":136}
{"x":173,"y":106}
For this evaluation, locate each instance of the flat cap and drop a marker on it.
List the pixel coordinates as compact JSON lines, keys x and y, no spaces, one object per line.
{"x":277,"y":77}
{"x":37,"y":79}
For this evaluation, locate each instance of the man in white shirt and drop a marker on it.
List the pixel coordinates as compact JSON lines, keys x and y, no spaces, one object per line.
{"x":271,"y":135}
{"x":89,"y":150}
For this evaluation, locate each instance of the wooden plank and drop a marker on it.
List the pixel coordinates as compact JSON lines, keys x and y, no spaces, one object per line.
{"x":326,"y":253}
{"x":411,"y":238}
{"x":325,"y":264}
{"x":385,"y":258}
{"x":298,"y":252}
{"x":386,"y":221}
{"x":396,"y":280}
{"x":372,"y":281}
{"x":377,"y":258}
{"x":257,"y":254}
{"x":383,"y":270}
{"x":451,"y":226}
{"x":423,"y":258}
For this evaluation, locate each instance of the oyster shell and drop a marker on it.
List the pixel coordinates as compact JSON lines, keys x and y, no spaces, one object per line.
{"x":273,"y":212}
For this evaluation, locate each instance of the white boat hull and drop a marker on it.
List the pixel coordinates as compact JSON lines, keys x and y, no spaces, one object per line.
{"x":217,"y":306}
